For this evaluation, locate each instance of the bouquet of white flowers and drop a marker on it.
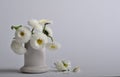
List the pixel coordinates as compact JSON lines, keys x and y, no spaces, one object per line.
{"x":39,"y":36}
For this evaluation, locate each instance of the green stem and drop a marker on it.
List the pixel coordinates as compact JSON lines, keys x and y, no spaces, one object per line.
{"x":32,"y":31}
{"x":46,"y":34}
{"x":46,"y":23}
{"x":12,"y":27}
{"x":44,"y":28}
{"x":51,"y":38}
{"x":15,"y":27}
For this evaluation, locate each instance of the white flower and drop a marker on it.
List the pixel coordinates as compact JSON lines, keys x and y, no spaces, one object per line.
{"x":76,"y":69}
{"x":53,"y":46}
{"x":38,"y":40}
{"x":67,"y":63}
{"x":59,"y":66}
{"x":35,"y":24}
{"x":18,"y":47}
{"x":44,"y":21}
{"x":23,"y":35}
{"x":63,"y":65}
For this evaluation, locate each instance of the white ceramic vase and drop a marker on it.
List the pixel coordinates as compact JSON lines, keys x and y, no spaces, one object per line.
{"x":34,"y":60}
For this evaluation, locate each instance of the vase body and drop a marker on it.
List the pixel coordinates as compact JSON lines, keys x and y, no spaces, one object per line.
{"x":34,"y":60}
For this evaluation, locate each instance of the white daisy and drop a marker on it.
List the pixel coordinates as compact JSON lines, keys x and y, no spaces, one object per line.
{"x":63,"y":65}
{"x":18,"y":48}
{"x":53,"y":46}
{"x":44,"y":21}
{"x":67,"y":63}
{"x":23,"y":35}
{"x":35,"y":24}
{"x":38,"y":40}
{"x":59,"y":66}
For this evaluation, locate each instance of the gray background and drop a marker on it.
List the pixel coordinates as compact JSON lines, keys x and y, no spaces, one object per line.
{"x":88,"y":30}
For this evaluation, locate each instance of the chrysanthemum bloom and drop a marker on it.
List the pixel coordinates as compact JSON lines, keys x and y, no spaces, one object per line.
{"x":22,"y":35}
{"x":18,"y":48}
{"x":38,"y":40}
{"x":67,"y":64}
{"x":63,"y":65}
{"x":35,"y":25}
{"x":53,"y":46}
{"x":44,"y":22}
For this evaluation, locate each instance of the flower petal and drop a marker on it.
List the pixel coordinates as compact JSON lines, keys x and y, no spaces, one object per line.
{"x":44,"y":21}
{"x":18,"y":47}
{"x":76,"y":69}
{"x":33,"y":23}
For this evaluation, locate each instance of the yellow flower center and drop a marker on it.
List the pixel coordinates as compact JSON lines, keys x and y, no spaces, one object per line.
{"x":39,"y":41}
{"x":22,"y":33}
{"x":53,"y":46}
{"x":66,"y":65}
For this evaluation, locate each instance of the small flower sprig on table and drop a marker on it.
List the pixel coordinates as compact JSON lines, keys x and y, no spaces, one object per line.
{"x":65,"y":66}
{"x":39,"y":36}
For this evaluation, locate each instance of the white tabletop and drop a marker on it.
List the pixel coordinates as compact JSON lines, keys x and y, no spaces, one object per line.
{"x":14,"y":72}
